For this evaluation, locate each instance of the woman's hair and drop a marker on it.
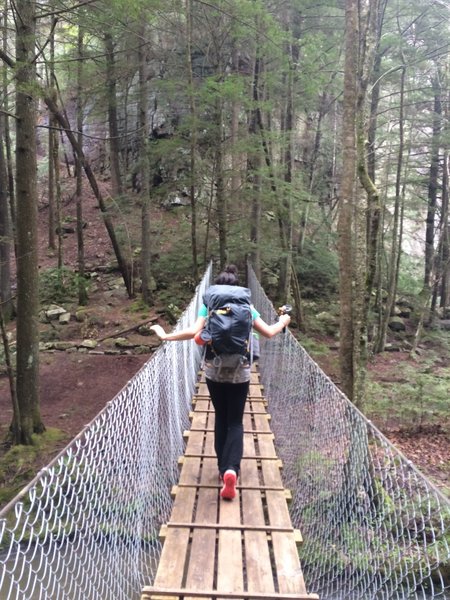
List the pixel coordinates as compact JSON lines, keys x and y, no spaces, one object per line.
{"x":229,"y":276}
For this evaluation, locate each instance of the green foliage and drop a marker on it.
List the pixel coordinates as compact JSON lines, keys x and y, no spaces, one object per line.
{"x":416,"y":401}
{"x":317,"y":270}
{"x":313,"y":347}
{"x":410,"y":275}
{"x":59,"y":285}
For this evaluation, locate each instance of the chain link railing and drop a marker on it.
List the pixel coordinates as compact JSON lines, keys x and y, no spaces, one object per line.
{"x":374,"y":528}
{"x":87,"y":527}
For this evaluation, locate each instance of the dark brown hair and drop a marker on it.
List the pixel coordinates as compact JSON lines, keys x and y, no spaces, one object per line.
{"x":229,"y":276}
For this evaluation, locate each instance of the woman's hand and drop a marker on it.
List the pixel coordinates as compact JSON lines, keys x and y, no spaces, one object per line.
{"x":159,"y":331}
{"x":285,"y":319}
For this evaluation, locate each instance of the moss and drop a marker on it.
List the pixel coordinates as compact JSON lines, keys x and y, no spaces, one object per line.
{"x":18,"y":464}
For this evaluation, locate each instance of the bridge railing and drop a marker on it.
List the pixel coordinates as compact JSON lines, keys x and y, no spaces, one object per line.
{"x":374,"y":527}
{"x":86,"y":528}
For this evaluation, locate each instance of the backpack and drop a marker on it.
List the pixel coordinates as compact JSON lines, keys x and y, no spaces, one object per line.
{"x":229,"y":322}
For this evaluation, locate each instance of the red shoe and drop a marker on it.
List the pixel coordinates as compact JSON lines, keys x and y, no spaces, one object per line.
{"x":228,"y":492}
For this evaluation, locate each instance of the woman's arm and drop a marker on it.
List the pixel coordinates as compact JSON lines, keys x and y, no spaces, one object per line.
{"x":184,"y":334}
{"x":270,"y":330}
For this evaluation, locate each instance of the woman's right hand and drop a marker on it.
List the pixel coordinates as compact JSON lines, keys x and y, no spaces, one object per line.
{"x":159,"y":331}
{"x":285,"y":319}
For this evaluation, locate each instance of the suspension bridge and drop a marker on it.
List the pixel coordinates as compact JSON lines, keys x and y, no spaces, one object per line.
{"x":88,"y":526}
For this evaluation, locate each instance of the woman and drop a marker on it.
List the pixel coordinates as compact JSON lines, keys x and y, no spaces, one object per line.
{"x":228,"y":388}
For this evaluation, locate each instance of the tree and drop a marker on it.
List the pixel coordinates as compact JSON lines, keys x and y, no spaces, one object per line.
{"x":29,"y":420}
{"x":348,"y":199}
{"x":5,"y":238}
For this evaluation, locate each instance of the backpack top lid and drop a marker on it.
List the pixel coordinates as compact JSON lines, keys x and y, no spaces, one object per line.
{"x":218,"y":296}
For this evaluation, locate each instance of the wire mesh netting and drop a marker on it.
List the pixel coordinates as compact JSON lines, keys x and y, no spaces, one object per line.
{"x":373,"y":526}
{"x":87,"y":527}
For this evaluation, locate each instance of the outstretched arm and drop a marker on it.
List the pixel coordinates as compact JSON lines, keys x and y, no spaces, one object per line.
{"x":270,"y":330}
{"x":184,"y":334}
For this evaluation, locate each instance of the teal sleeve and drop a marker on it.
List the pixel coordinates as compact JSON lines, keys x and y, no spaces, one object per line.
{"x":255,"y":314}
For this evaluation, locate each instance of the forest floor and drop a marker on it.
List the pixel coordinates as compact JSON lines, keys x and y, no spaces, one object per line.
{"x":76,"y":384}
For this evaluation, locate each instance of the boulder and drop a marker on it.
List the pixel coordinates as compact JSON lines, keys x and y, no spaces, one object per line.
{"x":124,"y":343}
{"x":91,"y":344}
{"x":396,"y":324}
{"x":64,"y":318}
{"x":444,"y":324}
{"x":53,"y":312}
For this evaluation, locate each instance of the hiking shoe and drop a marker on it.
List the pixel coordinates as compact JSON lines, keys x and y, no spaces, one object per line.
{"x":228,"y":492}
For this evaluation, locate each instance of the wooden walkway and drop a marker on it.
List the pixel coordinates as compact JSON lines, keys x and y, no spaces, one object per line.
{"x":242,"y":549}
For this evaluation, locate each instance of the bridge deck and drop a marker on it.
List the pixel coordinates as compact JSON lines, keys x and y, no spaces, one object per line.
{"x":216,"y":549}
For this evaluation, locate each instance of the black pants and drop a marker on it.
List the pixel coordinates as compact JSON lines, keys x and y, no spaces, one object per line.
{"x":229,"y":401}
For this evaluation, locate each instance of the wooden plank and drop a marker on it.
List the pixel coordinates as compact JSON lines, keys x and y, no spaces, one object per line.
{"x":245,"y":549}
{"x":200,"y":572}
{"x":195,"y":443}
{"x":149,"y":592}
{"x":288,"y":569}
{"x":272,"y":457}
{"x":230,"y":568}
{"x":246,"y":412}
{"x":246,"y":431}
{"x":174,"y":553}
{"x":256,"y":549}
{"x":215,"y":526}
{"x":278,"y":509}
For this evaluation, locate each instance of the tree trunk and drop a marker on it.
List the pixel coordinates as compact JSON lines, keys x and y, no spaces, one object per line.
{"x":445,"y":236}
{"x":395,"y":248}
{"x":114,"y":152}
{"x":15,"y":425}
{"x":6,"y":127}
{"x":254,"y":161}
{"x":5,"y":238}
{"x":433,"y":181}
{"x":146,"y":271}
{"x":27,"y":239}
{"x":347,"y":199}
{"x":221,"y":201}
{"x":193,"y":141}
{"x":374,"y":212}
{"x":53,"y":224}
{"x":82,"y":291}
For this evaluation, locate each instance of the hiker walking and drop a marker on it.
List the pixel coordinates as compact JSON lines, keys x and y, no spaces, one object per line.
{"x":224,"y":324}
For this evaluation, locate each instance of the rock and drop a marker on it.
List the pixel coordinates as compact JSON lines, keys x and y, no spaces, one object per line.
{"x":396,"y":324}
{"x":444,"y":324}
{"x":391,"y":348}
{"x":53,"y":312}
{"x":63,"y":345}
{"x":403,"y":303}
{"x":142,"y":350}
{"x":45,"y":346}
{"x":124,"y":343}
{"x":116,"y":284}
{"x":64,"y":318}
{"x":81,"y":315}
{"x":89,"y":344}
{"x":144,"y":330}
